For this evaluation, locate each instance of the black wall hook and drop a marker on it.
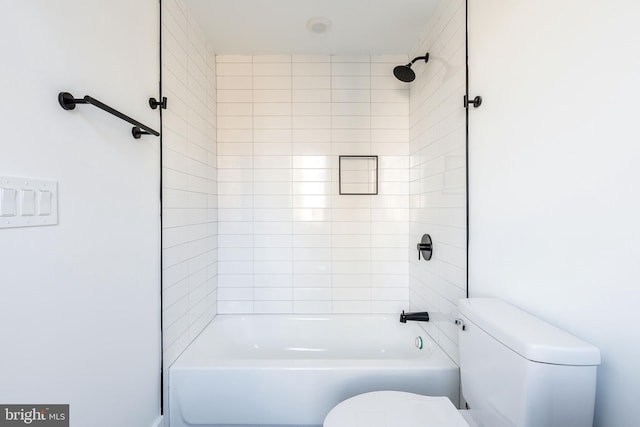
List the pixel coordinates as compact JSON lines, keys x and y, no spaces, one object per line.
{"x":153,"y":103}
{"x":476,"y":102}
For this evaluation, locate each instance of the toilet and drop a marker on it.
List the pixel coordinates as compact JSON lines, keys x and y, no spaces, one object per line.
{"x":516,"y":371}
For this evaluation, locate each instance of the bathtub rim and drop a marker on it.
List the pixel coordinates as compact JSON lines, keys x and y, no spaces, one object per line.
{"x":187,"y":360}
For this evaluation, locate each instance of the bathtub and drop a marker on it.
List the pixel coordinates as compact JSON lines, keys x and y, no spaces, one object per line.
{"x":290,"y":370}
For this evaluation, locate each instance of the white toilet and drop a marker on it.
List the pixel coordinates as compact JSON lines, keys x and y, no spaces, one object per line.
{"x":516,"y":371}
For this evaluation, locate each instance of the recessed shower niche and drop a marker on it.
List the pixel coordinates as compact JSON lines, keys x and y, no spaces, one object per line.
{"x":358,"y":175}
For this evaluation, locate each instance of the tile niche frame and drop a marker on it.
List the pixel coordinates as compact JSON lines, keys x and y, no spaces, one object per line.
{"x":358,"y":175}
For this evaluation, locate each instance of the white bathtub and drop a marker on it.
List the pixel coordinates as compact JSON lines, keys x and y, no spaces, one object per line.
{"x":284,"y":370}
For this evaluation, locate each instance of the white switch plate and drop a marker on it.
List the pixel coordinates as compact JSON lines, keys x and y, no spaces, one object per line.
{"x":36,"y":202}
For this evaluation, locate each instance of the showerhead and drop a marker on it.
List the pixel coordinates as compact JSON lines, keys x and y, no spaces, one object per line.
{"x":404,"y":73}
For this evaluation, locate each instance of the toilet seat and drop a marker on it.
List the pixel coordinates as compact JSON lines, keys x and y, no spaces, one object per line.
{"x":395,"y":409}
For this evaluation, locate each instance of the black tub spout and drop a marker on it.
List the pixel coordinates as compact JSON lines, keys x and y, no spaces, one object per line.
{"x":421,"y":316}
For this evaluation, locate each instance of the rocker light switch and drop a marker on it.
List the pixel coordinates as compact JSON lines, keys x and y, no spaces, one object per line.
{"x":44,"y":203}
{"x":8,"y":202}
{"x":27,"y":202}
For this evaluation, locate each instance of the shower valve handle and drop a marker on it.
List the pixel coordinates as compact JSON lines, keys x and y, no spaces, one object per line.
{"x":425,"y":247}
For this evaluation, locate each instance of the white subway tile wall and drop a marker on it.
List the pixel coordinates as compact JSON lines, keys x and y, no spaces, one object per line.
{"x":288,"y":243}
{"x":189,"y":194}
{"x":437,"y":173}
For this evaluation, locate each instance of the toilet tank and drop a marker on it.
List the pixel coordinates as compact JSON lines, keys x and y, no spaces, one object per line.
{"x":519,"y":371}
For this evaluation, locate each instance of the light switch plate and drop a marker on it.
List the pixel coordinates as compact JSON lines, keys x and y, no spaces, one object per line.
{"x":29,"y":202}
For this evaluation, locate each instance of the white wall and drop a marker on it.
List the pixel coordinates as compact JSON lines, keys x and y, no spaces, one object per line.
{"x":288,"y":241}
{"x":554,"y":154}
{"x":438,"y":173}
{"x":79,"y":302}
{"x":189,"y":192}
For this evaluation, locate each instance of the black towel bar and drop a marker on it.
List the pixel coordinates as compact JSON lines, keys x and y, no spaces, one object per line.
{"x":68,"y":102}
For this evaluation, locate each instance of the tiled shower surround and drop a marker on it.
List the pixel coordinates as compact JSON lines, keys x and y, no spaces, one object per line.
{"x":251,"y":181}
{"x":438,"y":195}
{"x":189,"y":181}
{"x":288,"y":243}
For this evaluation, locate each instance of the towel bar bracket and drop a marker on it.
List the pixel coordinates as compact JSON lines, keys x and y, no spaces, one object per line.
{"x":68,"y":102}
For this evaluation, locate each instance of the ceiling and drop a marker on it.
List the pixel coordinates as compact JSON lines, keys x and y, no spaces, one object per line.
{"x":280,"y":26}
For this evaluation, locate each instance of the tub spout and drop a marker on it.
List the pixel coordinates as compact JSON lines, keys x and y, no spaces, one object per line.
{"x":421,"y":316}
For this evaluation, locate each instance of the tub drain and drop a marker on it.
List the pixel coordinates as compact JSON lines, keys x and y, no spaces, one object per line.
{"x":419,"y":343}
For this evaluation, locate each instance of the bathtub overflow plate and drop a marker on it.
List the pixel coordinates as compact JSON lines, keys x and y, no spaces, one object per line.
{"x":419,"y":343}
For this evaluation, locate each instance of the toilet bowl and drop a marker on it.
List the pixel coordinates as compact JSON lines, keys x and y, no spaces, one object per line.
{"x":395,"y":409}
{"x":515,"y":370}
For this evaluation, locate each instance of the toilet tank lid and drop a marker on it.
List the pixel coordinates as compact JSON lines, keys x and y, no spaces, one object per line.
{"x":527,"y":335}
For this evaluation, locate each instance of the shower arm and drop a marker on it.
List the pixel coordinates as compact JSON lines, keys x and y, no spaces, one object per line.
{"x":418,"y":58}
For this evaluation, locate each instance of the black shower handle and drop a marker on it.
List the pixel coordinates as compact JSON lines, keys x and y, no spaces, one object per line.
{"x":425,"y":247}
